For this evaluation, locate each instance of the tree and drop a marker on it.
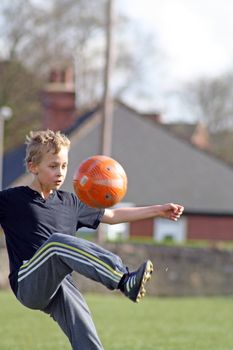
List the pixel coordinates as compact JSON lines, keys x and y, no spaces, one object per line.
{"x":211,"y":101}
{"x":40,"y":36}
{"x":44,"y":35}
{"x":19,"y":90}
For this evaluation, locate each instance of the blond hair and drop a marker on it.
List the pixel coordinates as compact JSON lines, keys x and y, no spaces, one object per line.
{"x":41,"y":142}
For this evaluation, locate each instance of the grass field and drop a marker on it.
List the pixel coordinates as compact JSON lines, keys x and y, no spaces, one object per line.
{"x":154,"y":324}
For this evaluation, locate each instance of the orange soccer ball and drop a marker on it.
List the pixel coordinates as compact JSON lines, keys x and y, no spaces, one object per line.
{"x":100,"y":182}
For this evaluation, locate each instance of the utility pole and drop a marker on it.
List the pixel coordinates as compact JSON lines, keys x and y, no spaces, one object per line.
{"x":107,"y":109}
{"x":107,"y":112}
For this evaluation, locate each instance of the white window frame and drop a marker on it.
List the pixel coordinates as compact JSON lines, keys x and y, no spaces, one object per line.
{"x":168,"y":229}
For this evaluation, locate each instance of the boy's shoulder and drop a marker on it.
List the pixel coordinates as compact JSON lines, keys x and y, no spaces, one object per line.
{"x":12,"y":190}
{"x":12,"y":194}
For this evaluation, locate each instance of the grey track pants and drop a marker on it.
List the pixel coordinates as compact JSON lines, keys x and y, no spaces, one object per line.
{"x":44,"y":283}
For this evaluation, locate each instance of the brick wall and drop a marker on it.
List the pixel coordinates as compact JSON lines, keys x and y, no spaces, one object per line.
{"x":142,"y":227}
{"x":210,"y":228}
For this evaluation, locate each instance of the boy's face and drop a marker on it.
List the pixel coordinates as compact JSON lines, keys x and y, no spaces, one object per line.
{"x":52,"y":169}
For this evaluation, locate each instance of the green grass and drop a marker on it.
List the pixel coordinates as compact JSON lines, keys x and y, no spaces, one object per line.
{"x":154,"y":324}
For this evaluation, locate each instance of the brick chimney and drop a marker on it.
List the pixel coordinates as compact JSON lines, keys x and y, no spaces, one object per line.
{"x":58,"y":100}
{"x":153,"y":116}
{"x":200,"y":137}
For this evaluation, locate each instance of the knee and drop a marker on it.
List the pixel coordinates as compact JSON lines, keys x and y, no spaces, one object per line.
{"x":32,"y":302}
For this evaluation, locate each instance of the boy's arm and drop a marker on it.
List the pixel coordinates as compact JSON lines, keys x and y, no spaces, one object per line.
{"x":169,"y":211}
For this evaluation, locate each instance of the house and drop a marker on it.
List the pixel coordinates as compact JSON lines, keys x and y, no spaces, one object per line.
{"x":161,"y":167}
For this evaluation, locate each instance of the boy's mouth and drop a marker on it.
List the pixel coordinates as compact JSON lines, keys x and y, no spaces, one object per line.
{"x":58,"y":182}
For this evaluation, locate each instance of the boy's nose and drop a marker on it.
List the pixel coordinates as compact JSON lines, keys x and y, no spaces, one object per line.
{"x":60,"y":172}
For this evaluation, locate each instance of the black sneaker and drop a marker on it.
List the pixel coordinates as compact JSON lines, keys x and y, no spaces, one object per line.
{"x":134,"y":284}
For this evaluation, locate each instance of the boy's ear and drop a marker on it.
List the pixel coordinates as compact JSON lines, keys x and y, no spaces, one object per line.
{"x":32,"y":168}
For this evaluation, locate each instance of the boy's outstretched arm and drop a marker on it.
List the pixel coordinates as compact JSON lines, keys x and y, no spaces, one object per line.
{"x":169,"y":211}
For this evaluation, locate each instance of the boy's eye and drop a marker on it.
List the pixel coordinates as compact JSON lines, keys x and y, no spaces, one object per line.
{"x":64,"y":166}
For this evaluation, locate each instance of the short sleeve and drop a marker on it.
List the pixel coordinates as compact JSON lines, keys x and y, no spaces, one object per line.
{"x":89,"y":217}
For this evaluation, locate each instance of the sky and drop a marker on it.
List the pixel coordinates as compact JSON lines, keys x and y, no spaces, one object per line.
{"x":195,"y":35}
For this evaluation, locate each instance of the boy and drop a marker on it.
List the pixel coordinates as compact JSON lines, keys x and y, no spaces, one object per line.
{"x":39,"y":222}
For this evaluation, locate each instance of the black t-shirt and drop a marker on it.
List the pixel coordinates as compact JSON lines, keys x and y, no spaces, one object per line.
{"x":28,"y":220}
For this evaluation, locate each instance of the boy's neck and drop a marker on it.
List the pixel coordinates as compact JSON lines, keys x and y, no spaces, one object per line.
{"x":43,"y":192}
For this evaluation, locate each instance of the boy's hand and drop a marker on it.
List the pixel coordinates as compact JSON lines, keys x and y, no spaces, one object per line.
{"x":171,"y":211}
